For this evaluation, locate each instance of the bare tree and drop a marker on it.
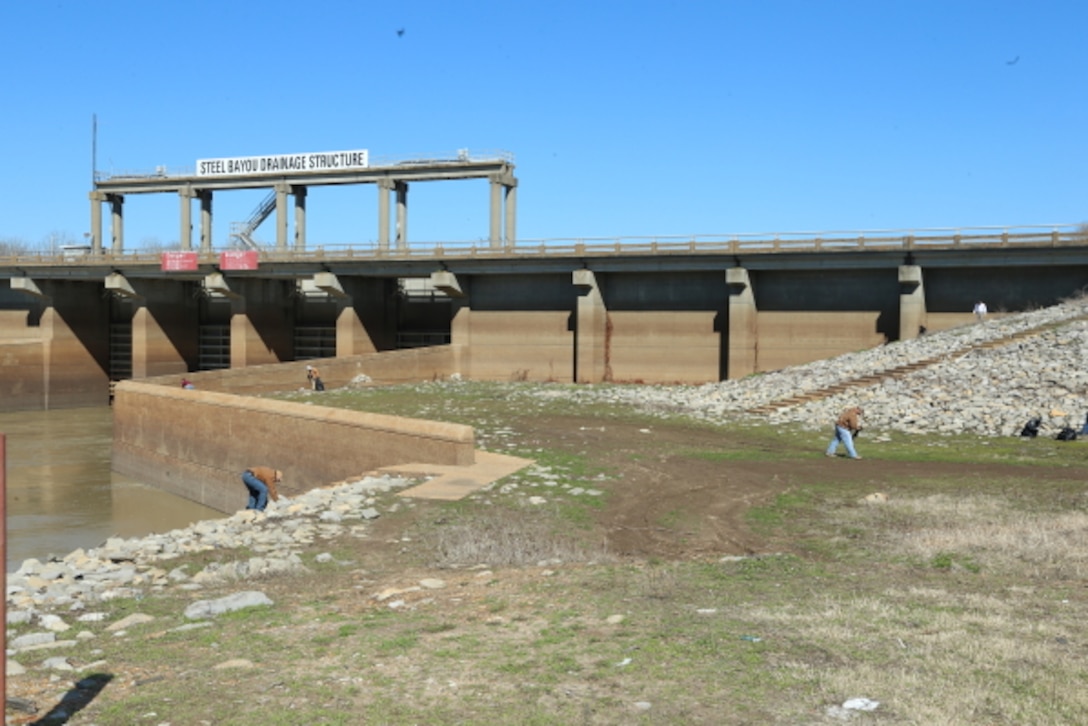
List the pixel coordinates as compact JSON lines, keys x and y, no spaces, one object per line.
{"x":12,"y":246}
{"x":55,"y":241}
{"x":154,"y":244}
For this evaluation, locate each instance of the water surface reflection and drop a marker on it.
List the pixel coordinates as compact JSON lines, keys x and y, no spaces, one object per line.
{"x":62,"y":495}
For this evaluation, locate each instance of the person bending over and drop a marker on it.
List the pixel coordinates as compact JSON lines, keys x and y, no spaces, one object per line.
{"x":847,"y":426}
{"x":261,"y":482}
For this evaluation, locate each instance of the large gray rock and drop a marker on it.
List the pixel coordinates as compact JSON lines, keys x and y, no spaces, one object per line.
{"x":238,"y":601}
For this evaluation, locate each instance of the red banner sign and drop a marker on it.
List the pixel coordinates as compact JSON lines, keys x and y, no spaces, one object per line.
{"x":238,"y":260}
{"x":179,"y":261}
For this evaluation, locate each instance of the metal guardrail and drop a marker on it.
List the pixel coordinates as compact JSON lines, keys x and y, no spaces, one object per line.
{"x":739,"y":245}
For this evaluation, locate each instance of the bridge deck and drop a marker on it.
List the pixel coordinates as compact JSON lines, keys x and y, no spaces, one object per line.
{"x":1040,"y":246}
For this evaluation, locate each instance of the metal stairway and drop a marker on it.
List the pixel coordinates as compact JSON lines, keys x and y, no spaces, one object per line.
{"x":241,"y":233}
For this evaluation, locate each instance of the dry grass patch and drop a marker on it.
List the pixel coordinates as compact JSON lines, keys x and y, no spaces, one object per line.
{"x":509,"y":537}
{"x":934,"y":656}
{"x":952,"y":608}
{"x":982,"y":531}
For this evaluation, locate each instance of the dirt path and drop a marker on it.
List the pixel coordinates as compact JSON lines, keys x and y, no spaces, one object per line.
{"x":668,"y":502}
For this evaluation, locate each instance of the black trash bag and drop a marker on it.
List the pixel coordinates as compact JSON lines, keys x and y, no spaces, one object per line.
{"x":1067,"y":434}
{"x":1031,"y":428}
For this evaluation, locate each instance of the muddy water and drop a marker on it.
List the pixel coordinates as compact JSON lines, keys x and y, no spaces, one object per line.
{"x":62,"y":495}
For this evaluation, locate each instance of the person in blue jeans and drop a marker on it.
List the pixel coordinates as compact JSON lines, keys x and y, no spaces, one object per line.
{"x":261,"y":482}
{"x":847,"y":426}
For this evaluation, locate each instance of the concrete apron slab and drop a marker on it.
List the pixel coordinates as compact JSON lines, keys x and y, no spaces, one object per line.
{"x":456,"y":482}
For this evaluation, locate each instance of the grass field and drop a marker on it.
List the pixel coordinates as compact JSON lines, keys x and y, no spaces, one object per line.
{"x":956,"y":596}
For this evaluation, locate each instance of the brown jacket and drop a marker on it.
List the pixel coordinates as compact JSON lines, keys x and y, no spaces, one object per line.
{"x":850,"y":419}
{"x":268,"y":475}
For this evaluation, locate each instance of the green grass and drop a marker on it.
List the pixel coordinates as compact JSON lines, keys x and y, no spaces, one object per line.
{"x":959,"y":600}
{"x":773,"y":516}
{"x":809,"y":620}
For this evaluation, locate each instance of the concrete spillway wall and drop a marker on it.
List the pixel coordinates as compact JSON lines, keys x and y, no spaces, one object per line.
{"x":197,"y":443}
{"x":396,"y":366}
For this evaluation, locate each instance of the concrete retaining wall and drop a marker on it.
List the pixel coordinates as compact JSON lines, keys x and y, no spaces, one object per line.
{"x":517,"y":327}
{"x":520,"y":346}
{"x":398,"y":366}
{"x":794,"y":338}
{"x":196,"y":443}
{"x":947,"y":321}
{"x":664,"y":347}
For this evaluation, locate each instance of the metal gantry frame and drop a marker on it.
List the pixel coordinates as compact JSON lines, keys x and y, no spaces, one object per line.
{"x":390,"y":178}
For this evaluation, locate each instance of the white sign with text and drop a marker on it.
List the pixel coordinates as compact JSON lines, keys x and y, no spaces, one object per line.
{"x":284,"y":163}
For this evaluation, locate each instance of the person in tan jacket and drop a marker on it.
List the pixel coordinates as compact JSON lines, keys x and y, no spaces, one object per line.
{"x":314,"y":377}
{"x":847,"y":426}
{"x":261,"y":482}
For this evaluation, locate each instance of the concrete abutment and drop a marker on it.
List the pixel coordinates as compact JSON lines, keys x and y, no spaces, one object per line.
{"x":226,"y":433}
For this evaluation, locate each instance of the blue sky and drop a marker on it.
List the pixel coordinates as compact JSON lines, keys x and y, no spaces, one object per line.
{"x":624,"y":118}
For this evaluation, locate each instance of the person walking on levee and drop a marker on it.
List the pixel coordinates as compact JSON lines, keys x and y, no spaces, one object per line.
{"x":847,"y":426}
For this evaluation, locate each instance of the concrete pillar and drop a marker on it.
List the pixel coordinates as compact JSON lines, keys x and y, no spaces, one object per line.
{"x":511,"y":212}
{"x":25,"y":371}
{"x":119,"y":284}
{"x":282,"y":190}
{"x":185,"y":197}
{"x":461,"y":313}
{"x":447,"y":282}
{"x":73,"y":346}
{"x":165,"y":324}
{"x":503,"y":199}
{"x":591,"y":344}
{"x":117,"y":214}
{"x":743,"y":324}
{"x":300,"y":218}
{"x":495,"y":213}
{"x":402,"y":215}
{"x":461,"y":336}
{"x":262,"y":322}
{"x":351,"y":335}
{"x":49,"y":324}
{"x":366,"y":320}
{"x":205,"y":220}
{"x":28,"y":286}
{"x":385,"y":186}
{"x":143,"y":331}
{"x":241,"y":330}
{"x":97,"y":198}
{"x":912,"y":302}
